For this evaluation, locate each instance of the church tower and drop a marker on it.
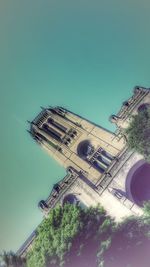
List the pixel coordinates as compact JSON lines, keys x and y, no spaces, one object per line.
{"x":76,"y":142}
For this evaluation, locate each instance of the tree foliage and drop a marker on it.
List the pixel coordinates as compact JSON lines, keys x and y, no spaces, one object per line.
{"x":72,"y":236}
{"x":97,"y":227}
{"x":89,"y":237}
{"x":129,"y":245}
{"x":55,"y":236}
{"x":138,"y":133}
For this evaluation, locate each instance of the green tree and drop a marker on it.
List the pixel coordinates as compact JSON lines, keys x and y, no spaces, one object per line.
{"x":96,"y":228}
{"x":72,"y":236}
{"x":55,"y":236}
{"x":146,"y":209}
{"x":129,"y":245}
{"x":146,"y":215}
{"x":138,"y":133}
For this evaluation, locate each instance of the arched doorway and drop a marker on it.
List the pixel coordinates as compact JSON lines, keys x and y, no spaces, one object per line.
{"x":138,"y":183}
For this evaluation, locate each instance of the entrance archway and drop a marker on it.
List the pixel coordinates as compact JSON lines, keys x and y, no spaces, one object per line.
{"x":138,"y":183}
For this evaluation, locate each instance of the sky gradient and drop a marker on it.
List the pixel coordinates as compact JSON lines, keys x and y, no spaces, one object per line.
{"x":84,"y":55}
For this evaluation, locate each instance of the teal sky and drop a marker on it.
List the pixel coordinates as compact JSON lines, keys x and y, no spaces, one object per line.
{"x":85,"y":55}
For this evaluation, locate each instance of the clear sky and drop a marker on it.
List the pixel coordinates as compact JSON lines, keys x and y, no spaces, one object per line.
{"x":85,"y":55}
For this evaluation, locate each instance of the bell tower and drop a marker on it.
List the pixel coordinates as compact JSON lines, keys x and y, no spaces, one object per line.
{"x":76,"y":142}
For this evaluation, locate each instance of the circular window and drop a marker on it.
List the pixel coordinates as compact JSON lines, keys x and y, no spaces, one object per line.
{"x":85,"y":149}
{"x":71,"y":199}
